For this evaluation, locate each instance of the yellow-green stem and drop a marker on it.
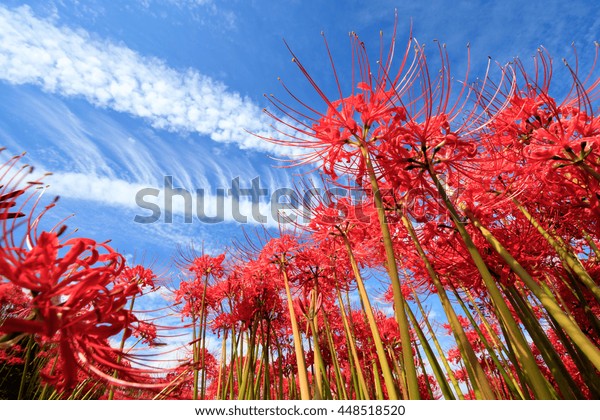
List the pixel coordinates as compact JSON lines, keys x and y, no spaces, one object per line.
{"x":408,"y":364}
{"x":195,"y":356}
{"x":565,"y":255}
{"x":435,"y":365}
{"x":531,"y":370}
{"x":496,"y":349}
{"x":439,"y":350}
{"x":349,"y":340}
{"x":318,"y":362}
{"x":302,"y":375}
{"x":481,"y":386}
{"x":592,"y":245}
{"x":222,"y":365}
{"x":566,"y":385}
{"x":378,"y":388}
{"x":29,"y":348}
{"x":339,"y":382}
{"x":383,"y":362}
{"x":569,"y":326}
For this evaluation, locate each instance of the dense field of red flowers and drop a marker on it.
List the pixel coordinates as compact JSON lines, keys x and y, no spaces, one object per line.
{"x":481,"y":199}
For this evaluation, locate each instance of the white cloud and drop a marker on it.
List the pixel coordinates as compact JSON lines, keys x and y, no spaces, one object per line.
{"x":116,"y":192}
{"x":92,"y":188}
{"x":72,"y":62}
{"x":96,"y":159}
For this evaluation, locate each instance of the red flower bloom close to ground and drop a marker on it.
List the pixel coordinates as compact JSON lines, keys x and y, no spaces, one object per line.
{"x":74,"y":296}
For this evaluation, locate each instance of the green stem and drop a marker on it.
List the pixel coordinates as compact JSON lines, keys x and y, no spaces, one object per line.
{"x":481,"y":386}
{"x":302,"y":374}
{"x":565,"y":382}
{"x":266,"y":362}
{"x":339,"y":382}
{"x":495,"y":349}
{"x":570,"y":327}
{"x":351,"y":344}
{"x":440,"y":351}
{"x":592,"y":245}
{"x":318,"y":362}
{"x":381,"y":355}
{"x":565,"y":255}
{"x":531,"y":370}
{"x":30,"y":344}
{"x":408,"y":365}
{"x":195,"y":355}
{"x":222,"y":365}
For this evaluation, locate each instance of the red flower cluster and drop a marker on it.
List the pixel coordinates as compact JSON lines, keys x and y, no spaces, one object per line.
{"x":480,"y":216}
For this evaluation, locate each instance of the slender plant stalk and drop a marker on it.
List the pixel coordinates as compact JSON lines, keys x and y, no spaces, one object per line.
{"x":22,"y":384}
{"x":496,"y":349}
{"x":408,"y":363}
{"x":255,"y":390}
{"x":424,"y":373}
{"x":280,"y":368}
{"x":202,"y":345}
{"x":195,"y":355}
{"x":302,"y":373}
{"x":244,"y":382}
{"x":381,"y":356}
{"x":570,"y":327}
{"x":565,"y":255}
{"x":339,"y":382}
{"x":565,"y":382}
{"x":362,"y":385}
{"x":377,"y":381}
{"x":481,"y":386}
{"x":592,"y":245}
{"x":266,"y":361}
{"x":203,"y":323}
{"x":433,"y":362}
{"x":318,"y":363}
{"x":530,"y":368}
{"x":222,"y":365}
{"x":584,"y":367}
{"x":440,"y":351}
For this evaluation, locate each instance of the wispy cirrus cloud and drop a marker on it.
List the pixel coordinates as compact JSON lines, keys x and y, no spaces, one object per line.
{"x":157,"y":204}
{"x":97,"y":160}
{"x":72,"y":62}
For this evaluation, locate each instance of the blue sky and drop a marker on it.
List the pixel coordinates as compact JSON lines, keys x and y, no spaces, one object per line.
{"x":113,"y":96}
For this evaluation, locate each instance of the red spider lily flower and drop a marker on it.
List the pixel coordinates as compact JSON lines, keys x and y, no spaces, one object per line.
{"x":12,"y":356}
{"x":13,"y":301}
{"x":63,"y":293}
{"x":194,"y":293}
{"x":190,"y":293}
{"x":278,"y":248}
{"x":74,"y":298}
{"x":401,"y":119}
{"x":335,"y":137}
{"x":206,"y":265}
{"x":139,"y":274}
{"x":259,"y":296}
{"x":146,"y":331}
